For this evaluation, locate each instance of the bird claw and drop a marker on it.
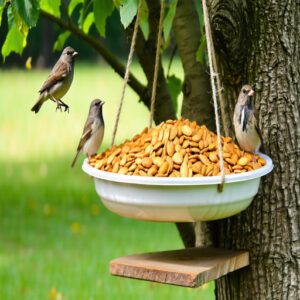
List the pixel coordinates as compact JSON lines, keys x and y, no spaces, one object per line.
{"x":66,"y":107}
{"x":58,"y":107}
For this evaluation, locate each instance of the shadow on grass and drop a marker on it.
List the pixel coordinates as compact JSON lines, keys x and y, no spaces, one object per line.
{"x":56,"y":238}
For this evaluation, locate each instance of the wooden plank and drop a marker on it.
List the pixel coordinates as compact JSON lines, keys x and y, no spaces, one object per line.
{"x":190,"y":267}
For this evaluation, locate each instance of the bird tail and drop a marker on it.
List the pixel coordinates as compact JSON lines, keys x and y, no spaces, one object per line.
{"x":36,"y":107}
{"x":74,"y":160}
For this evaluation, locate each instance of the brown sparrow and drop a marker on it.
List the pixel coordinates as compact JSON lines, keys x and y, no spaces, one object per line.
{"x":245,"y":121}
{"x":93,"y":131}
{"x":58,"y":82}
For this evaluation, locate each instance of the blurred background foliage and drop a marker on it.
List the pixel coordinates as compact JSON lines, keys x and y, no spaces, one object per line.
{"x":42,"y":37}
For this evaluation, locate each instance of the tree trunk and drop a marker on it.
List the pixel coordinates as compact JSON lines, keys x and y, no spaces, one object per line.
{"x":47,"y":39}
{"x":196,"y":88}
{"x":196,"y":103}
{"x":258,"y":43}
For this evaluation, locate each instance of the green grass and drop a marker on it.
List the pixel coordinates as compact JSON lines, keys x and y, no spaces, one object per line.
{"x":56,"y":238}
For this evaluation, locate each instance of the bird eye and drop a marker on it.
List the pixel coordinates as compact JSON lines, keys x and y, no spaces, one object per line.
{"x":245,"y":91}
{"x":69,"y":52}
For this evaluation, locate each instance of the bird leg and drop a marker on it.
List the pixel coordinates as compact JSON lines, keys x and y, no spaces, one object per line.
{"x":58,"y":103}
{"x":66,"y":107}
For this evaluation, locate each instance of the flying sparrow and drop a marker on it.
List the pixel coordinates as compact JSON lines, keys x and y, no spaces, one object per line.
{"x":245,"y":121}
{"x":58,"y":81}
{"x":93,"y":131}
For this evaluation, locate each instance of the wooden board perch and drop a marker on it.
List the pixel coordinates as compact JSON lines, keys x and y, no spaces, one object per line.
{"x":190,"y":267}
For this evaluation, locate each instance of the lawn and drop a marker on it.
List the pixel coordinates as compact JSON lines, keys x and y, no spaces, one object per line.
{"x":56,"y":238}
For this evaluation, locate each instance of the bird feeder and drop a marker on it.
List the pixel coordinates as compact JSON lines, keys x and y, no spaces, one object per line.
{"x":178,"y":200}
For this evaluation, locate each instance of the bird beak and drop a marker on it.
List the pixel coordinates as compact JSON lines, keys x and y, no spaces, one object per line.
{"x":102,"y":103}
{"x":251,"y":93}
{"x":74,"y":53}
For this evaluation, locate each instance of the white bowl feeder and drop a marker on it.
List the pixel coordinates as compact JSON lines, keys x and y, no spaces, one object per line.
{"x":177,"y":199}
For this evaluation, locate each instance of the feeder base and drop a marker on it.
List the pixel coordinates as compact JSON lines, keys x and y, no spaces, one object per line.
{"x":189,"y":267}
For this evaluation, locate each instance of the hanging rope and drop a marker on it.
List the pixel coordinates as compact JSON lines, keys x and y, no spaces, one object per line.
{"x":221,"y":98}
{"x":157,"y":55}
{"x":214,"y":82}
{"x":127,"y":71}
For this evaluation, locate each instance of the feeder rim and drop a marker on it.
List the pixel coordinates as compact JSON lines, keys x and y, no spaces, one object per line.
{"x":182,"y":181}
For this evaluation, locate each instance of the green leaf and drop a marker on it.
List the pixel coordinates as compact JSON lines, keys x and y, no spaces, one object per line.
{"x":15,"y":41}
{"x":167,"y":25}
{"x":10,"y":17}
{"x":88,"y":21}
{"x":118,"y":3}
{"x":1,"y":10}
{"x":174,"y":86}
{"x":28,"y":10}
{"x":128,"y":11}
{"x":198,"y":6}
{"x":201,"y":52}
{"x":61,"y":40}
{"x":51,"y":6}
{"x":14,"y":19}
{"x":144,"y":19}
{"x":72,"y":5}
{"x":102,"y":10}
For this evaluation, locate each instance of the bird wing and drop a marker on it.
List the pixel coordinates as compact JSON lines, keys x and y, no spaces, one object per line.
{"x":86,"y":134}
{"x":256,"y":117}
{"x":244,"y":117}
{"x":58,"y":73}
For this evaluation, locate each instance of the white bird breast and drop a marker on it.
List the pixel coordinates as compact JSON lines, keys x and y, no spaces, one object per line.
{"x":93,"y":143}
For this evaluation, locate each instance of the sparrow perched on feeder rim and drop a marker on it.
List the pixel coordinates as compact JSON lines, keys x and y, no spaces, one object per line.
{"x":245,"y":121}
{"x":93,"y":131}
{"x":58,"y":81}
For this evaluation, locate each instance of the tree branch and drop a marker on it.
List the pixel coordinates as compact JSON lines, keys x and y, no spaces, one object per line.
{"x":116,"y":64}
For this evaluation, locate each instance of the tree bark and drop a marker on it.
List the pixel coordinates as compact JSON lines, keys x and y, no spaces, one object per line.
{"x":196,"y":103}
{"x":258,"y":43}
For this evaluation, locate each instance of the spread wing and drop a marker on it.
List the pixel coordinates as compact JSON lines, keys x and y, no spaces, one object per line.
{"x":87,"y":132}
{"x":58,"y":73}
